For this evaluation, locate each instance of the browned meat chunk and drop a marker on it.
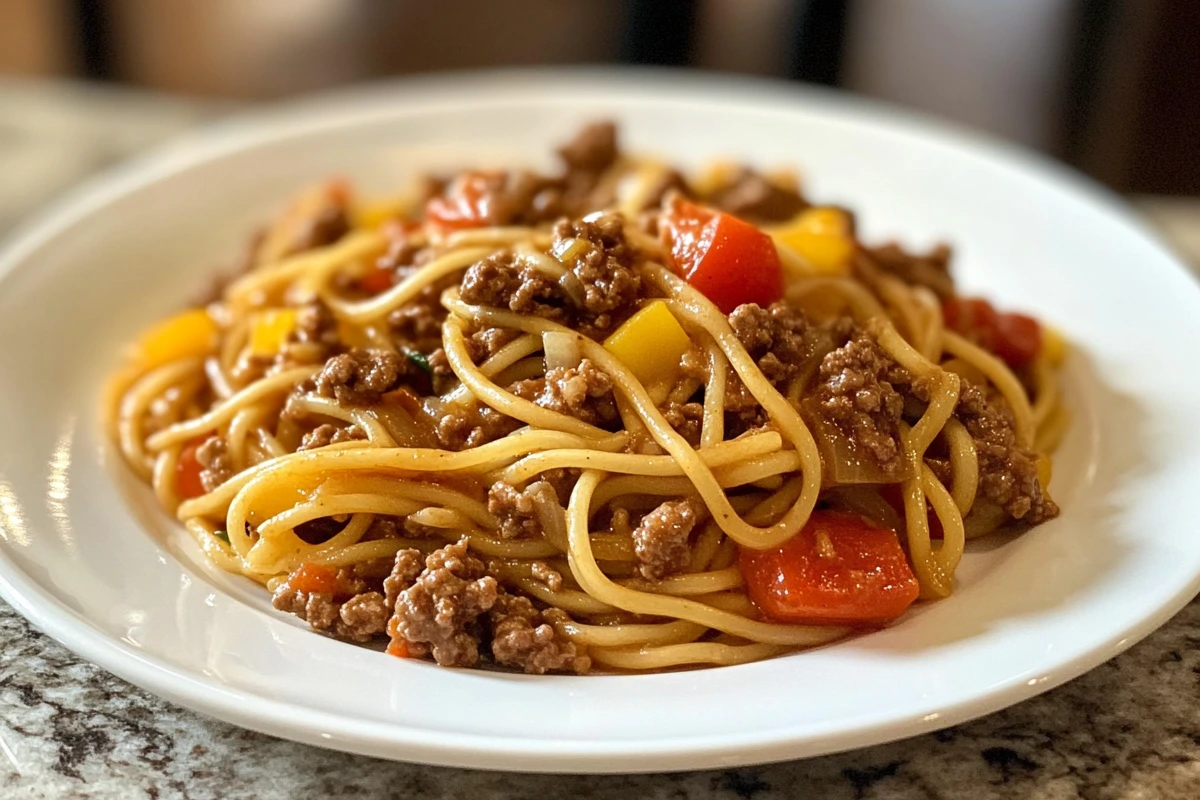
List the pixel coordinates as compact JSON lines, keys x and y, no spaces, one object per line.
{"x":660,"y":541}
{"x":473,"y":424}
{"x":362,"y":617}
{"x":583,"y":392}
{"x":326,"y":434}
{"x":323,"y":227}
{"x":521,"y":638}
{"x":687,"y":419}
{"x":602,"y":266}
{"x":405,"y":569}
{"x":1007,"y":473}
{"x":541,"y":571}
{"x":485,"y":343}
{"x":315,"y":324}
{"x":417,"y":325}
{"x":499,"y":280}
{"x":517,"y":509}
{"x":401,"y":250}
{"x":753,"y":197}
{"x":855,"y":392}
{"x":780,"y":339}
{"x":359,"y":619}
{"x":439,"y":613}
{"x":593,"y":149}
{"x":931,"y":270}
{"x":318,"y":610}
{"x":439,"y":363}
{"x":362,"y":376}
{"x":215,"y":462}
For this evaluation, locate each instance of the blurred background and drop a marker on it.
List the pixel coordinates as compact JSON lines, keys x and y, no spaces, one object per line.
{"x":1111,"y":87}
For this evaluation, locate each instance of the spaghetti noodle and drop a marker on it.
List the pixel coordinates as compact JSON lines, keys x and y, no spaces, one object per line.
{"x":605,"y":419}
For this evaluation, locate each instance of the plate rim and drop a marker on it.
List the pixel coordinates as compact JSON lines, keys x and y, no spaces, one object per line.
{"x":354,"y":106}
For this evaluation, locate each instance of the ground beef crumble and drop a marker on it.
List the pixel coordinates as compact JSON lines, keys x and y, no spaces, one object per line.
{"x":417,"y":325}
{"x":316,"y":325}
{"x":216,"y":466}
{"x":473,"y":424}
{"x":784,"y":344}
{"x":541,"y":571}
{"x":856,"y":392}
{"x":521,"y":638}
{"x":603,"y":267}
{"x":516,"y":509}
{"x":1007,"y":472}
{"x":362,"y":376}
{"x":325,"y":226}
{"x":359,"y":619}
{"x":362,"y":617}
{"x":485,"y":343}
{"x":438,"y":614}
{"x":686,"y":418}
{"x":447,"y":606}
{"x":780,"y":339}
{"x":752,"y":196}
{"x":660,"y":541}
{"x":327,"y":434}
{"x":583,"y":392}
{"x":593,"y":149}
{"x":500,"y":280}
{"x":931,"y":270}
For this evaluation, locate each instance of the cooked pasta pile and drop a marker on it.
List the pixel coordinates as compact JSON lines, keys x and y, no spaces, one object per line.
{"x":606,"y":419}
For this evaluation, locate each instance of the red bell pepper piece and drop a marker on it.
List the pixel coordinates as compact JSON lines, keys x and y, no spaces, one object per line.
{"x":187,"y":471}
{"x":729,"y":261}
{"x":1014,"y":338}
{"x":467,"y":201}
{"x":313,"y":578}
{"x":838,"y":570}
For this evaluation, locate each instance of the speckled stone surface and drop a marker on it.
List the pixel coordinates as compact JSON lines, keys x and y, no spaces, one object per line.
{"x":1129,"y":729}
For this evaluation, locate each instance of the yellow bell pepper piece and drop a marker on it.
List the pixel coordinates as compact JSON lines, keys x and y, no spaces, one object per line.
{"x":1054,"y":346}
{"x":372,"y":215}
{"x":651,"y":343}
{"x":821,"y":236}
{"x":714,"y":176}
{"x":270,"y":331}
{"x":188,"y":335}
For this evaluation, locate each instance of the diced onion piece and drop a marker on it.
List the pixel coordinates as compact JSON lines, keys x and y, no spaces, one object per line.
{"x":561,"y":349}
{"x":554,"y":270}
{"x":567,"y":250}
{"x":844,"y":462}
{"x":651,"y":343}
{"x":188,"y":335}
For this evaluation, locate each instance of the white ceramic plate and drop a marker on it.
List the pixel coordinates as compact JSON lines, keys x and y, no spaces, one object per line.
{"x":85,"y":554}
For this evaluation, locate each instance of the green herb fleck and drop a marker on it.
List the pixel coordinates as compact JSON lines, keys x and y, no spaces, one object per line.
{"x":223,"y":535}
{"x":421,"y":360}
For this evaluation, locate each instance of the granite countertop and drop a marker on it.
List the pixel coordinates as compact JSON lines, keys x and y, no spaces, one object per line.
{"x":1128,"y":729}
